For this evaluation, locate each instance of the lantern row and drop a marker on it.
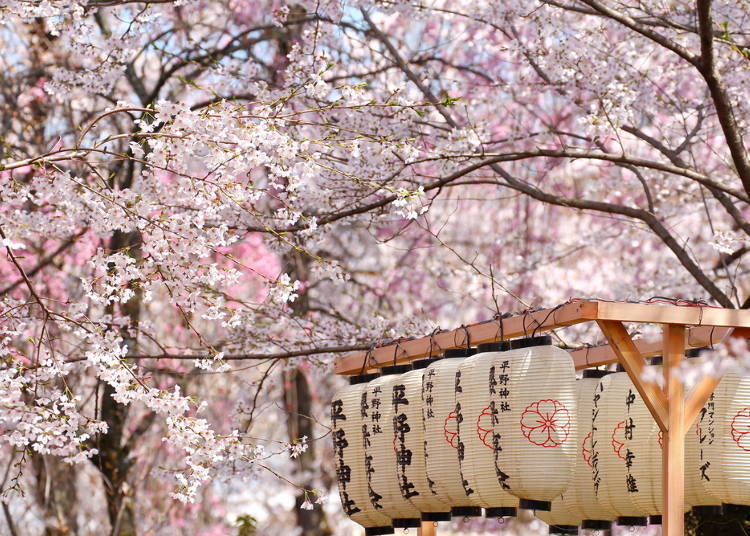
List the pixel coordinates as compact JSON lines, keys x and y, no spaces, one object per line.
{"x":507,"y":426}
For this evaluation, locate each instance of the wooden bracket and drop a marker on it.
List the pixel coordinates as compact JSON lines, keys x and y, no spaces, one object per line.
{"x":634,"y":363}
{"x":698,"y":397}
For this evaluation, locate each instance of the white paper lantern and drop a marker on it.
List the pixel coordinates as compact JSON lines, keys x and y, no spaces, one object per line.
{"x":578,"y":505}
{"x":410,"y":445}
{"x":441,"y":435}
{"x":349,"y":454}
{"x":729,"y":423}
{"x":380,"y":448}
{"x":534,"y":394}
{"x":475,"y":416}
{"x":699,"y":438}
{"x":627,"y":457}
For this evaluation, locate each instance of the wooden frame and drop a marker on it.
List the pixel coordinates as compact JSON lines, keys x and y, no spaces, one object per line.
{"x":682,"y":327}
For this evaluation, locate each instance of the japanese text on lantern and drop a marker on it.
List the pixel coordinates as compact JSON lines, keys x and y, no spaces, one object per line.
{"x":427,"y":412}
{"x":628,"y":432}
{"x":401,"y":428}
{"x":366,"y":443}
{"x":427,"y":399}
{"x":498,"y":388}
{"x":595,"y":475}
{"x":343,"y":471}
{"x":461,"y":445}
{"x":706,"y":434}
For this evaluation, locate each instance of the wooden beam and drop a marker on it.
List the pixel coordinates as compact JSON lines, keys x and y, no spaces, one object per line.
{"x":490,"y":331}
{"x":634,"y":363}
{"x":673,"y":452}
{"x":597,"y":356}
{"x":712,"y":324}
{"x":673,"y":314}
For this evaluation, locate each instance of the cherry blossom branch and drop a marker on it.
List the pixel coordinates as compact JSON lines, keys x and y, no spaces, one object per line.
{"x":44,"y":262}
{"x":720,"y":95}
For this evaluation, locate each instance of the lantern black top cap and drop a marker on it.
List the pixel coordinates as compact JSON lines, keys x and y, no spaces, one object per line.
{"x":499,"y":346}
{"x":363,"y":378}
{"x":395,"y":369}
{"x":544,"y":340}
{"x":595,"y":373}
{"x":424,"y":363}
{"x":460,"y":352}
{"x":696,"y":352}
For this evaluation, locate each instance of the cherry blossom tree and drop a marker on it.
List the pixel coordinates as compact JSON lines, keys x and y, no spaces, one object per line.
{"x":204,"y":202}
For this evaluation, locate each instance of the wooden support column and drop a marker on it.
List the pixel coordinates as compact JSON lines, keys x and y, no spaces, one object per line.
{"x":673,"y":452}
{"x":428,"y":529}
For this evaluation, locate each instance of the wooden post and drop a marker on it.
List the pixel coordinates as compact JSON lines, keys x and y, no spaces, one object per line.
{"x":428,"y":529}
{"x":673,"y":451}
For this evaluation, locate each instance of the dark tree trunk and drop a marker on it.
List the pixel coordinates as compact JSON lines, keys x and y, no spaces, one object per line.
{"x":114,"y":459}
{"x":56,"y":495}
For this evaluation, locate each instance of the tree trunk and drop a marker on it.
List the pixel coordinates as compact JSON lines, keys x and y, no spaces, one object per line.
{"x":114,"y":459}
{"x":297,"y":394}
{"x":56,"y":495}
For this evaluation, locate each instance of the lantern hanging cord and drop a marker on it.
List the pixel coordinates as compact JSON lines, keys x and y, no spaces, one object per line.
{"x":367,"y":357}
{"x":550,"y":313}
{"x":432,"y":340}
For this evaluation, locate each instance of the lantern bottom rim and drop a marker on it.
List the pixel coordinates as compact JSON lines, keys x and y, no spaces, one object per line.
{"x":466,"y":511}
{"x":529,"y":504}
{"x":563,"y":529}
{"x":632,"y":521}
{"x":378,"y":531}
{"x":436,"y":516}
{"x":406,"y":523}
{"x":500,"y":511}
{"x":596,"y":524}
{"x":708,"y":510}
{"x":736,"y":509}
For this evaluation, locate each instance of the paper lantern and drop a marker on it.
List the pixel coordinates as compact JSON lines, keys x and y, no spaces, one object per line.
{"x":534,"y":394}
{"x":349,"y":453}
{"x":627,"y":457}
{"x":410,"y":445}
{"x":441,"y":434}
{"x":728,"y":422}
{"x":698,"y":440}
{"x":381,"y":453}
{"x":578,"y":505}
{"x":475,"y":418}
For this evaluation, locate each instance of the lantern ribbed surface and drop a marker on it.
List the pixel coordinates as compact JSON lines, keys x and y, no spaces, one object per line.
{"x":411,"y":438}
{"x":581,"y":496}
{"x":382,"y":453}
{"x":349,"y":452}
{"x":441,"y":436}
{"x":578,"y":502}
{"x":627,"y":450}
{"x":729,"y":456}
{"x":476,"y":414}
{"x":535,"y":396}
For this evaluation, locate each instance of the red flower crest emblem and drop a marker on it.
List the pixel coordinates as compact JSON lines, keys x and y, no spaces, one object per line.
{"x":546,"y":423}
{"x":618,"y":439}
{"x":741,"y":429}
{"x":450,"y":429}
{"x":484,"y":427}
{"x":587,"y":450}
